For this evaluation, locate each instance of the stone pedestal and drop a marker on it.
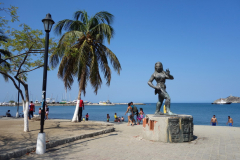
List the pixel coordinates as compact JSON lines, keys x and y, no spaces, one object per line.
{"x":163,"y":128}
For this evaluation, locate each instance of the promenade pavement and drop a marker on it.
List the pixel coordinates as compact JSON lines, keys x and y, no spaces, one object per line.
{"x":14,"y":139}
{"x":126,"y":143}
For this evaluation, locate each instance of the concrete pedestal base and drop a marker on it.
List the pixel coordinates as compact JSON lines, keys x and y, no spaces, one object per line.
{"x":165,"y":128}
{"x":41,"y":144}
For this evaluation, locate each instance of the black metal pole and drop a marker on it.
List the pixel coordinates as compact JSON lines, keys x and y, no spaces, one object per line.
{"x":44,"y":81}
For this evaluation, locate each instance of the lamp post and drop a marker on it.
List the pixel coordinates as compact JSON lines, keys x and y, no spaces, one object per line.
{"x":41,"y":142}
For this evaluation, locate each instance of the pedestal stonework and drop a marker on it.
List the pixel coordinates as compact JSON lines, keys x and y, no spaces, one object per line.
{"x":163,"y":128}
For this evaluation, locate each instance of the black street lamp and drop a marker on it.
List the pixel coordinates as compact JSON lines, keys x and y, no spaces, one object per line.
{"x":48,"y":23}
{"x":41,"y":143}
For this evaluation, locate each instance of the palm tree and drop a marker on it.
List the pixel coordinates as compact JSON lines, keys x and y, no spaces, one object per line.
{"x":82,"y":52}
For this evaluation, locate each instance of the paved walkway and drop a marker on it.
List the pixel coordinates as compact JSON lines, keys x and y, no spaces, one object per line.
{"x":13,"y":139}
{"x":127,"y":143}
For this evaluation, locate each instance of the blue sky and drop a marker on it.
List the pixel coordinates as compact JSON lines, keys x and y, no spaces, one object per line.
{"x":197,"y":40}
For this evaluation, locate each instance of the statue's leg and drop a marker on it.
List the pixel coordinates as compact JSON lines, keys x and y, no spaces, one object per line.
{"x":159,"y":104}
{"x":167,"y":104}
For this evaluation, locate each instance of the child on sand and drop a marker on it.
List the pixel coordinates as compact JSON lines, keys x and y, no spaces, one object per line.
{"x":39,"y":111}
{"x":122,"y":119}
{"x":119,"y":119}
{"x":87,"y":116}
{"x":108,"y":117}
{"x":140,"y":116}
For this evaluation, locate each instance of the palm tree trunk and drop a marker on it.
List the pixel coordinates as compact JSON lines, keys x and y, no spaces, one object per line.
{"x":75,"y":116}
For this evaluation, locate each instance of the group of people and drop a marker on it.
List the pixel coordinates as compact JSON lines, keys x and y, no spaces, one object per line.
{"x":132,"y":112}
{"x":116,"y":118}
{"x":81,"y":108}
{"x":214,"y":121}
{"x":32,"y":109}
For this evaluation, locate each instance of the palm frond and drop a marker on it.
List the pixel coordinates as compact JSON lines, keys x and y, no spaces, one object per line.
{"x":95,"y":78}
{"x":82,"y":15}
{"x":113,"y":58}
{"x":103,"y":61}
{"x":104,"y":29}
{"x":62,"y":25}
{"x":104,"y":16}
{"x":67,"y":70}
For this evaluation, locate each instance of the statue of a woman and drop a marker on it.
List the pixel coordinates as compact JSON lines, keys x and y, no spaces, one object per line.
{"x":160,"y":76}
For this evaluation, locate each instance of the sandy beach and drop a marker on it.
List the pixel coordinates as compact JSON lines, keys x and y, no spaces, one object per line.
{"x":125,"y":143}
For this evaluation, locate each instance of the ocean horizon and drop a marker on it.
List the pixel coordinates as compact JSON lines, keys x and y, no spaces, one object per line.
{"x":201,"y":112}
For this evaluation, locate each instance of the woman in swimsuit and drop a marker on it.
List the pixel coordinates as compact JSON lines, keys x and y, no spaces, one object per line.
{"x":140,"y":117}
{"x":129,"y":112}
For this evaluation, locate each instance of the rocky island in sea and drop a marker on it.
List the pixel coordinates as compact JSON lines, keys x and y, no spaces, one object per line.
{"x":231,"y":99}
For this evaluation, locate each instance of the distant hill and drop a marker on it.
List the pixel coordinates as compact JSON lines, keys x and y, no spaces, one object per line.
{"x":229,"y":99}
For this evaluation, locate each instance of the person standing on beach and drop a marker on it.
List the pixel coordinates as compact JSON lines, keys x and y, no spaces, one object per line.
{"x":108,"y":117}
{"x":135,"y":112}
{"x":47,"y":111}
{"x":129,"y":112}
{"x":140,"y":117}
{"x":230,"y":121}
{"x":214,"y":121}
{"x":81,"y":108}
{"x":39,"y":111}
{"x":31,"y":110}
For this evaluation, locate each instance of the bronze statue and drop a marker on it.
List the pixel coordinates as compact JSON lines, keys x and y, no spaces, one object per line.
{"x":160,"y":76}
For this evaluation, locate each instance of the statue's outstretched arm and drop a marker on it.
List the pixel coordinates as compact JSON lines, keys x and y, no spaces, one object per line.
{"x":150,"y":82}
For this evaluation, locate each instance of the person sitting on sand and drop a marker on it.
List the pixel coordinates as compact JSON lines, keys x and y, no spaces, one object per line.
{"x":119,"y":119}
{"x":115,"y":117}
{"x":129,"y":112}
{"x":87,"y":116}
{"x":230,"y":121}
{"x":122,"y":119}
{"x":8,"y":114}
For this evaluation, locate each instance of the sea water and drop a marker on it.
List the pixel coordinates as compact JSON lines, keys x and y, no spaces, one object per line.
{"x":201,"y":112}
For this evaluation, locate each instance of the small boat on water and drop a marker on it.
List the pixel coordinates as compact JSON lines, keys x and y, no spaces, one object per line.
{"x":222,"y":102}
{"x":63,"y":102}
{"x":48,"y":100}
{"x":106,"y":103}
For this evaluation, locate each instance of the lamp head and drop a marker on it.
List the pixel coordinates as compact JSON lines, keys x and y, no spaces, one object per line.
{"x":48,"y":22}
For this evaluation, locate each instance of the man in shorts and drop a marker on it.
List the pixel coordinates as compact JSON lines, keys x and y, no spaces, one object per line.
{"x":230,"y":121}
{"x":135,"y":112}
{"x":31,"y":110}
{"x":214,"y":121}
{"x":81,"y":108}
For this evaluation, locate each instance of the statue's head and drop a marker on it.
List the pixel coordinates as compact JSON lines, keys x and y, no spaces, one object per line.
{"x":158,"y":67}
